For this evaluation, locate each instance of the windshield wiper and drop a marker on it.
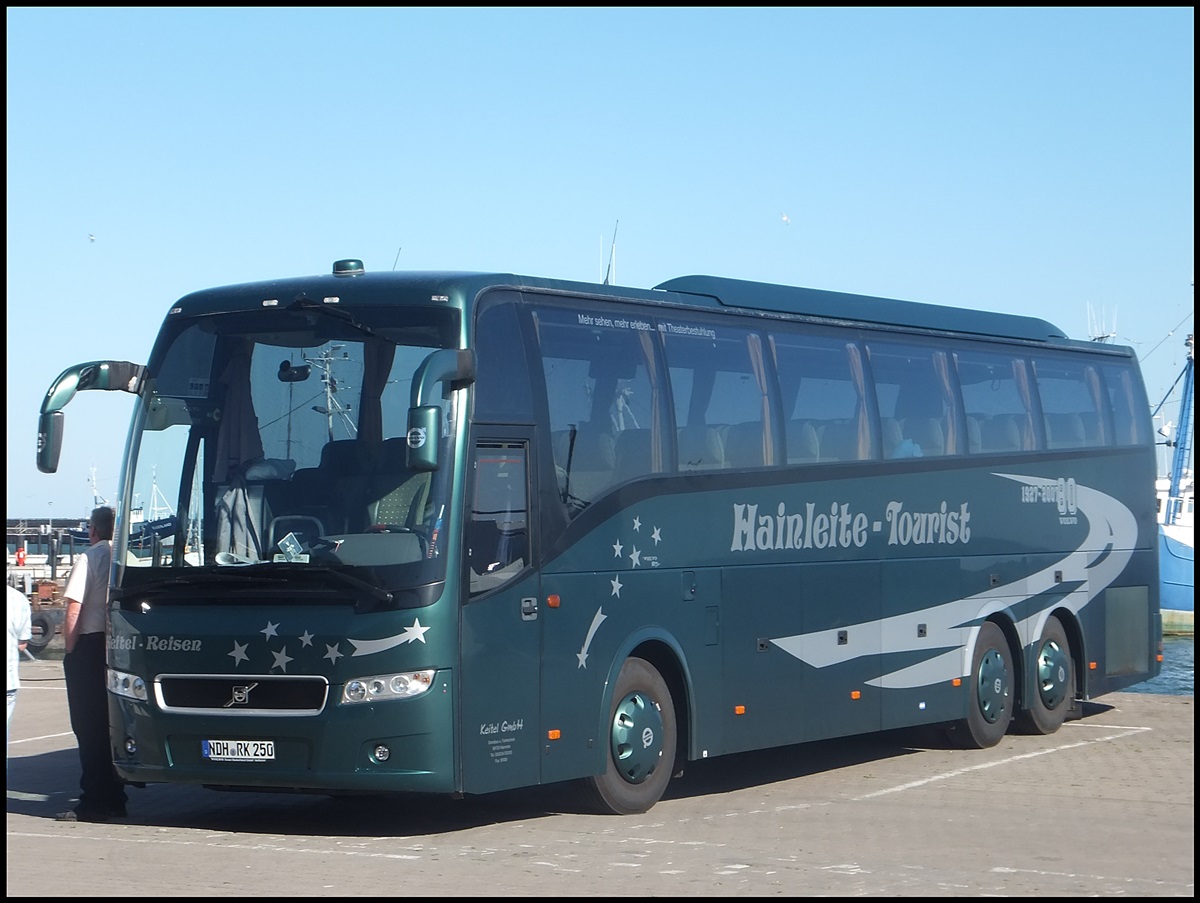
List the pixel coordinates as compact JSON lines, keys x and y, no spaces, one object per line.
{"x":200,"y":582}
{"x":378,"y":593}
{"x":303,"y":303}
{"x":196,"y":580}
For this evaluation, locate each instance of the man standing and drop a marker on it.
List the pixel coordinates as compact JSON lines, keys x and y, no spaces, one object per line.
{"x":84,"y":664}
{"x":20,"y":632}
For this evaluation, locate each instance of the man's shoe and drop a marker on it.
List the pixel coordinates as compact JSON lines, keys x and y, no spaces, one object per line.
{"x":92,"y":815}
{"x":89,"y":814}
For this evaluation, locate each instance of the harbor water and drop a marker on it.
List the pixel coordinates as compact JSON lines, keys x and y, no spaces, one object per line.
{"x":1178,"y":676}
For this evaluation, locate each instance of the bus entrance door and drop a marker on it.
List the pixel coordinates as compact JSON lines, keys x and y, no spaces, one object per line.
{"x":501,"y":624}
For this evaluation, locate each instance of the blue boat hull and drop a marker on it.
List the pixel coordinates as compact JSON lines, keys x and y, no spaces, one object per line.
{"x":1177,"y":581}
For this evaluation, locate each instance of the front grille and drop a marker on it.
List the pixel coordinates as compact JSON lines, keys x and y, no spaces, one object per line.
{"x":241,"y":694}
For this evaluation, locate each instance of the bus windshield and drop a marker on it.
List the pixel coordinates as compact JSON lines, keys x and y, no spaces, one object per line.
{"x":272,"y":443}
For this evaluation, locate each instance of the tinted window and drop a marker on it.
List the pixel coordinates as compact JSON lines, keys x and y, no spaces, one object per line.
{"x":498,"y":532}
{"x":719,"y":393}
{"x":1074,"y":406}
{"x":822,"y":387}
{"x":996,"y":395}
{"x":1127,"y":399}
{"x":502,"y":376}
{"x":598,"y":369}
{"x":918,"y":407}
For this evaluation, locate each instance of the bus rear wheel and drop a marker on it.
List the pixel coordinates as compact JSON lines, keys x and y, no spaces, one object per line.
{"x":1054,"y":693}
{"x":989,"y":695}
{"x":641,"y":736}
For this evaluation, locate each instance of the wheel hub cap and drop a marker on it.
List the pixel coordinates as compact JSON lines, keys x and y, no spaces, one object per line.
{"x":1053,"y":674}
{"x":637,"y":732}
{"x":993,"y":685}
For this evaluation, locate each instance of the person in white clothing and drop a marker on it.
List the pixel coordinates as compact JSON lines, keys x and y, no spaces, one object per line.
{"x":84,"y":665}
{"x":20,"y":632}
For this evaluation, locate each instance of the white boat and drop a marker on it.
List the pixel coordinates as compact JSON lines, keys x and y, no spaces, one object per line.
{"x":1176,"y":518}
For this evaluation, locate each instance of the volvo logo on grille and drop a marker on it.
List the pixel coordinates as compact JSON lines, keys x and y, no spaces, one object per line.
{"x":241,"y":695}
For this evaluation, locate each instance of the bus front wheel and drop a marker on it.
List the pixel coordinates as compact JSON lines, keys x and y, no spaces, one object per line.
{"x":640,"y":737}
{"x":1054,"y":693}
{"x":989,"y":694}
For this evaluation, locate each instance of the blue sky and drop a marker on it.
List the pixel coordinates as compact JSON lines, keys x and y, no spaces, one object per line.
{"x":1035,"y":161}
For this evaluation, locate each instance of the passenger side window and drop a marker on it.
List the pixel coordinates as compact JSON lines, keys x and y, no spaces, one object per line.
{"x":1074,"y":405}
{"x":598,"y":369}
{"x":918,"y":406}
{"x":720,"y":392}
{"x":1127,"y":398}
{"x":821,"y":380}
{"x":997,"y":399}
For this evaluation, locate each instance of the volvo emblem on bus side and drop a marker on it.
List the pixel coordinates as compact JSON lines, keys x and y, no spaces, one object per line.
{"x":416,"y":437}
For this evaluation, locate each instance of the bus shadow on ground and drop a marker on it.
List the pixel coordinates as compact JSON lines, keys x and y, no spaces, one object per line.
{"x":741,"y":771}
{"x":41,"y":786}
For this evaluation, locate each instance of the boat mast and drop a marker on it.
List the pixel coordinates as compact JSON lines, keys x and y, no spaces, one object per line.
{"x":1183,"y":435}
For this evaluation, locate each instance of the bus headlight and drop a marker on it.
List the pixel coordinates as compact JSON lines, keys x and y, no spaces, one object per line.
{"x":128,"y":685}
{"x":380,"y":687}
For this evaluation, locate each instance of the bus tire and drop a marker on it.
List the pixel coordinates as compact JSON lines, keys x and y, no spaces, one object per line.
{"x":1053,"y":692}
{"x":989,"y":692}
{"x":640,"y":736}
{"x":42,"y":631}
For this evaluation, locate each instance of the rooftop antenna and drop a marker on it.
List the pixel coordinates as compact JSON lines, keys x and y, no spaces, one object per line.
{"x":1098,"y":332}
{"x":612,"y":257}
{"x":397,"y":260}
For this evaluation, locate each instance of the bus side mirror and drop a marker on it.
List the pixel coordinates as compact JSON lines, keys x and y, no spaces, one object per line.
{"x":110,"y":376}
{"x":442,"y":371}
{"x":424,"y":430}
{"x":49,"y":447}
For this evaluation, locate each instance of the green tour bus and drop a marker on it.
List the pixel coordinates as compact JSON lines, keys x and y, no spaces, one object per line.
{"x":459,"y":533}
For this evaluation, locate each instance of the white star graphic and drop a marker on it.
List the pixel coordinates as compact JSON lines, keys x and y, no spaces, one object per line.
{"x":616,"y":587}
{"x":656,"y":535}
{"x":281,"y":659}
{"x":636,"y":557}
{"x":416,"y":632}
{"x":331,"y":652}
{"x":270,"y":630}
{"x":617,"y":547}
{"x":637,"y":524}
{"x":239,"y":652}
{"x":306,"y":639}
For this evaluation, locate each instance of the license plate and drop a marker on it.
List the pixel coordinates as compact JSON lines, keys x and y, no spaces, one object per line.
{"x":238,"y":750}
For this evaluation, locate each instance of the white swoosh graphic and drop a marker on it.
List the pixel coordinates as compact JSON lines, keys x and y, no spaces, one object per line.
{"x":1112,"y":533}
{"x":413,"y":634}
{"x":582,"y":654}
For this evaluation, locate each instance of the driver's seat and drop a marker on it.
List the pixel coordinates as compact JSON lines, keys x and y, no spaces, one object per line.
{"x":398,"y":496}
